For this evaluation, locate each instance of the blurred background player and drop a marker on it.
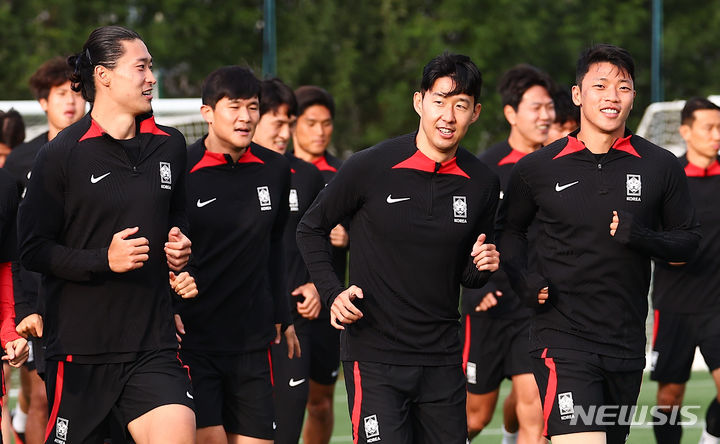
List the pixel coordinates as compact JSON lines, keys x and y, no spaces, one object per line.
{"x":237,"y":207}
{"x":312,"y":134}
{"x":12,"y":133}
{"x":51,"y":86}
{"x":686,"y":296}
{"x":496,"y":320}
{"x":567,"y":115}
{"x":278,"y":110}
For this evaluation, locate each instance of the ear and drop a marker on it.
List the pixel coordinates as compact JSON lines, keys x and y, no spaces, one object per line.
{"x":510,"y":114}
{"x":576,"y":95}
{"x":208,"y":114}
{"x":685,"y":131}
{"x":102,"y":74}
{"x":417,"y":102}
{"x":43,"y":104}
{"x":476,"y":112}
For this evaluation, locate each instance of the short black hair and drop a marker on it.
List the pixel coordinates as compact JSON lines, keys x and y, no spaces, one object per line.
{"x":603,"y":52}
{"x":687,"y":116}
{"x":565,"y":109}
{"x":310,"y":95}
{"x":53,"y":72}
{"x":103,"y":47}
{"x":12,"y":128}
{"x":520,"y":78}
{"x":275,"y":94}
{"x":464,"y":73}
{"x":233,"y":82}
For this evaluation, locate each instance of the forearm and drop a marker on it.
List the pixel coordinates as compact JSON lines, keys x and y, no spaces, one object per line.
{"x":677,"y":245}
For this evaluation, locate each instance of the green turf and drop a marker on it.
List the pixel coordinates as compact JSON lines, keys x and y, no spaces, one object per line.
{"x":700,"y":391}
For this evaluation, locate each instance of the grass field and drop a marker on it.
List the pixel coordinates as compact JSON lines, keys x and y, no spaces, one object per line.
{"x":700,"y":391}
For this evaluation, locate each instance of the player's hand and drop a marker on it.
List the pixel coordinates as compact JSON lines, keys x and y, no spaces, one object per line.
{"x":614,"y":224}
{"x":177,"y":249}
{"x":543,"y":296}
{"x":489,"y":301}
{"x":339,"y":237}
{"x":310,"y":307}
{"x":127,"y":254}
{"x":31,"y":325}
{"x":342,"y":310}
{"x":179,"y":329}
{"x":17,"y":352}
{"x":184,"y":285}
{"x":293,"y":344}
{"x":485,"y":256}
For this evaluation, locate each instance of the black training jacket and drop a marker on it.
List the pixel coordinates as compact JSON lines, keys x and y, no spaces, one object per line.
{"x":237,"y":213}
{"x":598,"y":283}
{"x":695,"y":287}
{"x":414,"y":222}
{"x":84,"y":188}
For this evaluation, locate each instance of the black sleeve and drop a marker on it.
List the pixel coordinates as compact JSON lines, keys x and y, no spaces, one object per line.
{"x":472,"y":277}
{"x":679,"y":237}
{"x":517,"y":212}
{"x":276,"y":259}
{"x":40,"y":225}
{"x":340,"y":199}
{"x":24,"y":302}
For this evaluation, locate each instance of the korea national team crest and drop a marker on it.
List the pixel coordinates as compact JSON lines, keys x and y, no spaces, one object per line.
{"x":471,"y":373}
{"x":264,"y":198}
{"x":372,"y":428}
{"x":459,"y":209}
{"x":566,"y":406}
{"x":61,"y":429}
{"x":634,"y":187}
{"x":293,"y":198}
{"x":165,"y":176}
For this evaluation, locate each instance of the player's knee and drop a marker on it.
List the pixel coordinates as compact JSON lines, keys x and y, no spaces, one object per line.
{"x":38,"y":397}
{"x":477,"y":421}
{"x":320,"y":408}
{"x":669,"y":398}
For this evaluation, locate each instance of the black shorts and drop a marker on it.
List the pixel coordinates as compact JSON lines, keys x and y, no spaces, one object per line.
{"x":675,"y":337}
{"x":83,"y":398}
{"x":403,"y":404}
{"x":291,"y":384}
{"x":575,"y":385}
{"x":494,"y":349}
{"x":323,"y":349}
{"x":234,"y":391}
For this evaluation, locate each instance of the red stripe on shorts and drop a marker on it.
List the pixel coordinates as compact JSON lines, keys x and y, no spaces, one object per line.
{"x":56,"y":399}
{"x":357,"y":402}
{"x":656,"y":322}
{"x":550,"y":392}
{"x":466,"y":347}
{"x":272,"y":379}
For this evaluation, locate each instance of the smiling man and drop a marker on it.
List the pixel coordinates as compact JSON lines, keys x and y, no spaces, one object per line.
{"x":421,"y":208}
{"x":607,"y":201}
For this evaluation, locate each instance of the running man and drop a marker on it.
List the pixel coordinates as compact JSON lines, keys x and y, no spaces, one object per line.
{"x":421,"y":210}
{"x":607,"y":202}
{"x":685,"y":296}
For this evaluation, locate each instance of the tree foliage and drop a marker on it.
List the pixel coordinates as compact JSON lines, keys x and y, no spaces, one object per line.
{"x":370,"y":54}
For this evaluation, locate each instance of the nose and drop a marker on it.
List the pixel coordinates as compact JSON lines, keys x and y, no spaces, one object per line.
{"x":285,"y":131}
{"x":611,"y":94}
{"x":545,"y":113}
{"x":150,"y":77}
{"x":448,"y":114}
{"x":716,"y":133}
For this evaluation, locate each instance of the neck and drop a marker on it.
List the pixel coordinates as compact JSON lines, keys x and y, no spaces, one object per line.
{"x":216,"y":145}
{"x":698,"y":159}
{"x":519,"y":143}
{"x":599,"y":142}
{"x":52,"y":132}
{"x":431,"y":152}
{"x":305,"y":155}
{"x":117,"y":123}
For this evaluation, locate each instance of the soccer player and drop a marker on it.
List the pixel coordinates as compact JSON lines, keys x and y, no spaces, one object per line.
{"x":607,"y":202}
{"x":12,"y":133}
{"x":101,"y":220}
{"x":567,"y":115}
{"x":685,"y":296}
{"x":421,"y":208}
{"x":51,"y":86}
{"x":278,"y":109}
{"x":496,"y":320}
{"x":237,"y":207}
{"x":312,"y":134}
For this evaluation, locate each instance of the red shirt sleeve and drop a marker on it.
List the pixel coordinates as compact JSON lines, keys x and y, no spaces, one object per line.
{"x":7,"y":306}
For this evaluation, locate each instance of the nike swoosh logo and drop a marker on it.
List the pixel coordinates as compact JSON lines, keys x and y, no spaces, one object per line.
{"x":559,"y":187}
{"x":94,"y":179}
{"x":202,"y":204}
{"x":189,"y":395}
{"x":392,"y":200}
{"x":294,"y":383}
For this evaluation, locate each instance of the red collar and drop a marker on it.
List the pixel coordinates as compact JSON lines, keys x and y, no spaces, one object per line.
{"x":512,"y":158}
{"x":420,"y":161}
{"x":147,"y":126}
{"x":574,"y":145}
{"x":322,"y":164}
{"x":211,"y":159}
{"x":695,"y":171}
